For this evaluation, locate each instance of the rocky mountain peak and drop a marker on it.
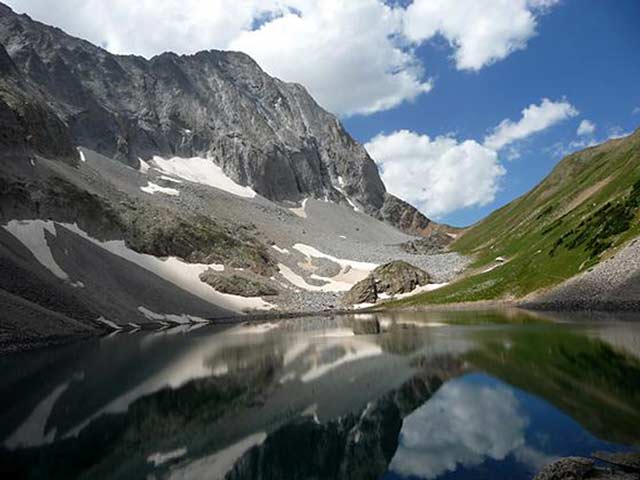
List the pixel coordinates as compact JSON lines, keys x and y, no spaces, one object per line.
{"x":263,"y":132}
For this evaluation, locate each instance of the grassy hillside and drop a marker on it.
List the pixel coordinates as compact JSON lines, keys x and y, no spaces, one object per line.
{"x":586,"y":208}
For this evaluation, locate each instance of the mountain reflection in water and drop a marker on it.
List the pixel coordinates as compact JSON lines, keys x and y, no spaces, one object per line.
{"x":430,"y":395}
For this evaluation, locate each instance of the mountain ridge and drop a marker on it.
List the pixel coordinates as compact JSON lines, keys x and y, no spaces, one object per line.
{"x":575,"y":225}
{"x":264,"y":133}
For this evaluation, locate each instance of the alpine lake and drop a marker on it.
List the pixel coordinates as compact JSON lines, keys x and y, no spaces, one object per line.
{"x":435,"y":395}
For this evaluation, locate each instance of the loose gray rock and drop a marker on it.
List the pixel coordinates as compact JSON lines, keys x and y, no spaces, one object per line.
{"x":436,"y":242}
{"x":569,"y":468}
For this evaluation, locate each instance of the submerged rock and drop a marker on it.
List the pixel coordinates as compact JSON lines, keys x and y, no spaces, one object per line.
{"x":391,"y":278}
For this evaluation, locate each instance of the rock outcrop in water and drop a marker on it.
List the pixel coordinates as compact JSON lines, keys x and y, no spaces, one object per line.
{"x":263,"y":132}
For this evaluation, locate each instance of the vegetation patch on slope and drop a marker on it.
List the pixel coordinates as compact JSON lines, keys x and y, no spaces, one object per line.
{"x":553,"y":232}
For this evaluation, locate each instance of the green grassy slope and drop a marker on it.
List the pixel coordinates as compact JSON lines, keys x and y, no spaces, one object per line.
{"x":586,"y":208}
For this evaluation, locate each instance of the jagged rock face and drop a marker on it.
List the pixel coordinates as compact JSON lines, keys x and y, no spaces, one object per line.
{"x":263,"y":132}
{"x":27,"y":123}
{"x":391,"y":278}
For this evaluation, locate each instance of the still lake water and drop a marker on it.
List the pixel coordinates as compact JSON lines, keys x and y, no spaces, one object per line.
{"x":467,"y":395}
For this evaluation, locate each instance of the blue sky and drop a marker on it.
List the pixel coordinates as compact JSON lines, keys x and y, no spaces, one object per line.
{"x":587,"y":51}
{"x":463,"y":104}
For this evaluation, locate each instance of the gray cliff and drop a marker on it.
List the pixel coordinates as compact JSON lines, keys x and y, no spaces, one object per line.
{"x":263,"y":132}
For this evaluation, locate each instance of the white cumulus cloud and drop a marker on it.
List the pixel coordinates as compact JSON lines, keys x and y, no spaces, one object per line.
{"x":481,"y":32}
{"x":343,"y":52}
{"x":535,"y":118}
{"x":150,"y":27}
{"x":355,"y":56}
{"x":586,"y":127}
{"x":436,"y":175}
{"x":444,"y":174}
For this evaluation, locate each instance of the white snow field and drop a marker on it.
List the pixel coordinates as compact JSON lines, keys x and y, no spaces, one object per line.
{"x":200,"y":170}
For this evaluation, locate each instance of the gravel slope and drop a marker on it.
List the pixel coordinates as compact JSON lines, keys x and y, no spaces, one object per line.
{"x":612,"y":285}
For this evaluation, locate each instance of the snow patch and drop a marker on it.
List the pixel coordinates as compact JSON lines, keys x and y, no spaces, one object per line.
{"x":82,"y":157}
{"x":217,"y":465}
{"x":300,"y":211}
{"x":32,"y":432}
{"x":152,"y":188}
{"x":160,"y":458}
{"x":109,"y":323}
{"x":353,"y":351}
{"x":340,"y":188}
{"x":203,"y":171}
{"x":310,"y":251}
{"x":31,"y":235}
{"x":182,"y":319}
{"x":351,"y":272}
{"x":170,"y":179}
{"x":424,"y":288}
{"x":181,"y":274}
{"x":383,"y":296}
{"x":284,"y":251}
{"x":296,"y":280}
{"x":144,"y":166}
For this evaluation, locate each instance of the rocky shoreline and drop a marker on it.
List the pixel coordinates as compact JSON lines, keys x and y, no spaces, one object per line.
{"x":600,"y":466}
{"x":613,"y":285}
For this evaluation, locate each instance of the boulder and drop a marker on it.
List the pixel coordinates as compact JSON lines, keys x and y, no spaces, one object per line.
{"x":362,"y":292}
{"x":237,"y":284}
{"x":391,"y":278}
{"x":399,"y":277}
